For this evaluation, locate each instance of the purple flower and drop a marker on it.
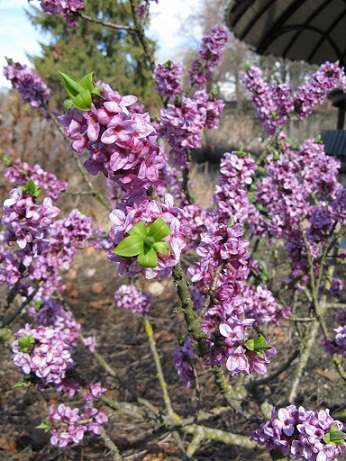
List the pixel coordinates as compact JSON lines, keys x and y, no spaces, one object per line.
{"x":209,"y":55}
{"x":52,"y":314}
{"x":19,"y":173}
{"x":338,"y":344}
{"x":168,"y":78}
{"x":129,"y":297}
{"x":183,"y":356}
{"x":66,"y":8}
{"x":339,"y":207}
{"x":29,"y":85}
{"x":90,"y":342}
{"x":301,"y":433}
{"x":145,"y":210}
{"x":28,"y":223}
{"x":239,"y":356}
{"x":276,"y":103}
{"x":94,"y":392}
{"x":68,"y":425}
{"x":48,"y":357}
{"x":182,"y":123}
{"x":120,"y":140}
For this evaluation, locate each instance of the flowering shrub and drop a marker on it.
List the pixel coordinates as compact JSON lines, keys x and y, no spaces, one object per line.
{"x":289,"y":197}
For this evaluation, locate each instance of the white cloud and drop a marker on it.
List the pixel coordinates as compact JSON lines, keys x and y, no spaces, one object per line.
{"x":166,"y":22}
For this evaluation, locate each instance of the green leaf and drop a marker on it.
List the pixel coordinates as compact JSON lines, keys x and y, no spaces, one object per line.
{"x":214,"y":91}
{"x":148,"y":258}
{"x":139,"y":229}
{"x":72,"y":87}
{"x":87,"y":82}
{"x":250,"y":344}
{"x":25,"y":341}
{"x":231,"y":222}
{"x":162,"y":247}
{"x":20,"y":384}
{"x":31,"y":188}
{"x":97,"y":90}
{"x":67,"y":104}
{"x":83,"y":100}
{"x":334,"y":436}
{"x":158,"y":230}
{"x":260,"y":344}
{"x":45,"y":425}
{"x":130,"y":246}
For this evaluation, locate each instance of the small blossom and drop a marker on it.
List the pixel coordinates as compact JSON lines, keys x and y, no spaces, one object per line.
{"x":129,"y":297}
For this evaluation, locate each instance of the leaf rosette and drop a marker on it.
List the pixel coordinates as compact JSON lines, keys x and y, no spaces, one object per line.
{"x":145,"y":242}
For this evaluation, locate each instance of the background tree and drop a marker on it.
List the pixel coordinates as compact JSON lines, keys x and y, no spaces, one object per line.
{"x":116,"y":56}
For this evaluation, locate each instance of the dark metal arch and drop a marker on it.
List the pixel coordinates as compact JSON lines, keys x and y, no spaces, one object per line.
{"x":263,"y":46}
{"x":243,"y":20}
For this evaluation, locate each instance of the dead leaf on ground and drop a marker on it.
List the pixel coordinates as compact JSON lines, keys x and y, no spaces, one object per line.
{"x":8,"y":445}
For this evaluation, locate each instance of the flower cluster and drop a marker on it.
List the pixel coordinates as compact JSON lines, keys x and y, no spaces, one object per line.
{"x":68,"y":425}
{"x":304,"y":434}
{"x":209,"y":55}
{"x":51,"y":313}
{"x":231,"y":193}
{"x":181,"y":123}
{"x":68,"y":9}
{"x":338,"y":207}
{"x":90,"y":342}
{"x":44,"y":244}
{"x":277,"y":102}
{"x":338,"y":344}
{"x":129,"y":297}
{"x":19,"y":173}
{"x":94,"y":392}
{"x":242,"y":355}
{"x":293,"y":179}
{"x":29,"y":85}
{"x":43,"y":352}
{"x":119,"y":139}
{"x":145,"y":210}
{"x":27,"y":223}
{"x":314,"y":92}
{"x":183,"y":357}
{"x":257,"y":303}
{"x":168,"y":78}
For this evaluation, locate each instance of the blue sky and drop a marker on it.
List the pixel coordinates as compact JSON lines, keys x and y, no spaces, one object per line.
{"x":18,"y":37}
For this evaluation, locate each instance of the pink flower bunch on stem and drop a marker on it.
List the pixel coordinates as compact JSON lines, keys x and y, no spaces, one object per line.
{"x":168,"y":78}
{"x":27,"y":223}
{"x":181,"y":123}
{"x":52,"y":313}
{"x":141,"y":208}
{"x":303,"y":434}
{"x":183,"y":357}
{"x":209,"y":55}
{"x":120,"y":140}
{"x":300,"y":193}
{"x":29,"y":85}
{"x":338,"y":344}
{"x":237,"y":351}
{"x":43,"y":352}
{"x":68,"y":425}
{"x":19,"y":173}
{"x":68,"y":9}
{"x":129,"y":297}
{"x":277,"y":102}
